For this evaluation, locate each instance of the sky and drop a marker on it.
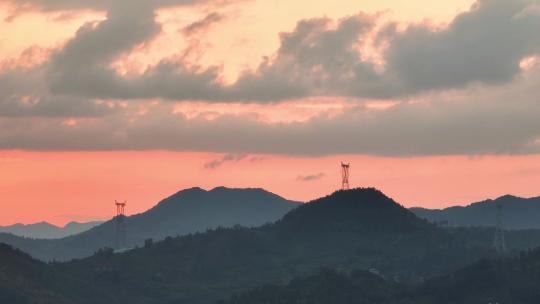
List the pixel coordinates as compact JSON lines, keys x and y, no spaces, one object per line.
{"x":434,"y":102}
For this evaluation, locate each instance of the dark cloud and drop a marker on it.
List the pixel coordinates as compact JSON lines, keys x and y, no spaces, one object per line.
{"x":485,"y":120}
{"x":312,"y":60}
{"x":318,"y":58}
{"x":493,"y":107}
{"x":53,"y":107}
{"x":203,"y":24}
{"x":231,"y":157}
{"x":315,"y":59}
{"x":485,"y":44}
{"x":310,"y":177}
{"x":23,"y":93}
{"x":82,"y":66}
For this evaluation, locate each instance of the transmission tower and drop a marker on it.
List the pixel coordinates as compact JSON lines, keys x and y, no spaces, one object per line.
{"x":499,"y":241}
{"x":120,"y":225}
{"x":345,"y":176}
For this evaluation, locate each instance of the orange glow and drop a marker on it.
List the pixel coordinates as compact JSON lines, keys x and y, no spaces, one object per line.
{"x":46,"y":30}
{"x":63,"y":186}
{"x":249,"y":31}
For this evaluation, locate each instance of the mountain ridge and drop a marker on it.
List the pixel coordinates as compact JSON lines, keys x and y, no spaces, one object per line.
{"x":335,"y":231}
{"x":517,"y":213}
{"x":46,"y":230}
{"x":186,"y":211}
{"x":232,"y":259}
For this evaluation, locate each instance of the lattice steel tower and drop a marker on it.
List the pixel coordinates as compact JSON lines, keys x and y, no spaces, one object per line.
{"x":120,"y":225}
{"x":345,"y":176}
{"x":499,"y":241}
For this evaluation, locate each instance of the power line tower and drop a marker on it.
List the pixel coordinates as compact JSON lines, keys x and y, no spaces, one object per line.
{"x":499,"y":241}
{"x":120,"y":225}
{"x":345,"y":176}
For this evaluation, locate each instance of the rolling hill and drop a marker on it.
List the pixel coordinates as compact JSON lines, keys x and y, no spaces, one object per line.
{"x":44,"y":230}
{"x":355,"y":229}
{"x":517,"y":213}
{"x":188,"y":211}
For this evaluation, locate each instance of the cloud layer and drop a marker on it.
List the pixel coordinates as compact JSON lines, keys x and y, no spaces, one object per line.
{"x":460,"y":89}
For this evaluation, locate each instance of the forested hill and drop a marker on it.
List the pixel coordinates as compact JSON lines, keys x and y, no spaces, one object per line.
{"x":355,"y":229}
{"x":517,"y":213}
{"x":188,"y":211}
{"x":510,"y":280}
{"x":24,"y":280}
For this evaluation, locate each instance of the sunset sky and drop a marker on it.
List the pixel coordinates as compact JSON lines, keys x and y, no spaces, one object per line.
{"x":436,"y":103}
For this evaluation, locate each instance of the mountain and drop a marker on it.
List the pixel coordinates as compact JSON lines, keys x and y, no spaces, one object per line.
{"x":517,"y":213}
{"x":355,"y":229}
{"x":44,"y":230}
{"x":188,"y":211}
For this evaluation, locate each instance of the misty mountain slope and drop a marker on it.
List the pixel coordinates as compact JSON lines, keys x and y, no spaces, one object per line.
{"x":517,"y":213}
{"x":44,"y":230}
{"x":355,"y":229}
{"x":188,"y":211}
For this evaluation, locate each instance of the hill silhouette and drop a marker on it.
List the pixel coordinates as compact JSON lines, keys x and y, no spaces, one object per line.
{"x":355,"y":229}
{"x":361,"y":210}
{"x":44,"y":230}
{"x":518,"y":213}
{"x":337,"y":231}
{"x":188,"y":211}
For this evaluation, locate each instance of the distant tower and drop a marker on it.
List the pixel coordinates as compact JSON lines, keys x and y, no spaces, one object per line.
{"x":499,"y":241}
{"x":345,"y":176}
{"x":120,"y":225}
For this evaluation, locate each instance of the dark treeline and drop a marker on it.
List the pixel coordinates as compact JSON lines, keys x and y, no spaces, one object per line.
{"x":509,"y":280}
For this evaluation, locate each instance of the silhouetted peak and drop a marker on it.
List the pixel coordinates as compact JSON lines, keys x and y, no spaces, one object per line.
{"x":185,"y":193}
{"x":360,"y":206}
{"x":508,"y":197}
{"x":191,"y":190}
{"x":38,"y":224}
{"x":505,"y":199}
{"x":221,"y":190}
{"x":248,"y":200}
